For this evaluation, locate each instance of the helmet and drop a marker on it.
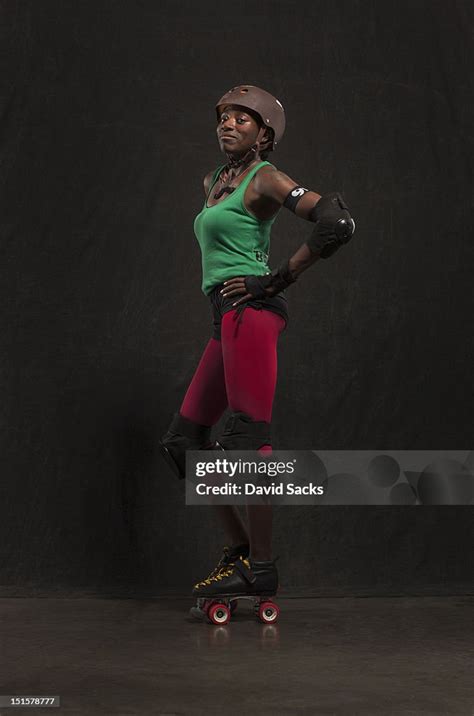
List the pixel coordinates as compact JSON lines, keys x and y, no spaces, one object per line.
{"x":269,"y":109}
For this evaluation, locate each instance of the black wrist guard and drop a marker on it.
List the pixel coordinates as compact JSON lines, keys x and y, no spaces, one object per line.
{"x":334,"y":225}
{"x":277,"y":281}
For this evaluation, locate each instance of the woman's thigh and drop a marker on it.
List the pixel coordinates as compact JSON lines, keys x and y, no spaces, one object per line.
{"x":206,"y":397}
{"x":249,"y":350}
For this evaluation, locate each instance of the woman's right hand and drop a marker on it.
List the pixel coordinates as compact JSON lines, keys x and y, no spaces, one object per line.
{"x":259,"y":287}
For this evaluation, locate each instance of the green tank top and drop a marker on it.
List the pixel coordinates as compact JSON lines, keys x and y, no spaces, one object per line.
{"x":232,"y":241}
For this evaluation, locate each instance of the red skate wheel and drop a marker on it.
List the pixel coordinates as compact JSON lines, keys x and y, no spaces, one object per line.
{"x":218,"y":614}
{"x":268,"y":612}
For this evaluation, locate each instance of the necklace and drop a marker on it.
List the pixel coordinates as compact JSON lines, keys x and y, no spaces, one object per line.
{"x":232,"y":164}
{"x":226,"y":178}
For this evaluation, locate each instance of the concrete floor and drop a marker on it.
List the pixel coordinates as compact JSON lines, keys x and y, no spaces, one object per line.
{"x":368,"y":656}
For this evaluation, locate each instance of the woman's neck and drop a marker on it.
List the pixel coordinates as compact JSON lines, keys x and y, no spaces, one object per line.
{"x":237,"y":160}
{"x":228,"y":176}
{"x":229,"y":173}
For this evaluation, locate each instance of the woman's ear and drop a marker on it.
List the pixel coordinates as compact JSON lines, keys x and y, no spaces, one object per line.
{"x":266,"y":141}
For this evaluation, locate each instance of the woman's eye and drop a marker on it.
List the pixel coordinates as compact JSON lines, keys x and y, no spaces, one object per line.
{"x":224,"y":117}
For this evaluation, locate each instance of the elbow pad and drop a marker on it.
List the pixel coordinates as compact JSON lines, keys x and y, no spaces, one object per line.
{"x":334,"y":225}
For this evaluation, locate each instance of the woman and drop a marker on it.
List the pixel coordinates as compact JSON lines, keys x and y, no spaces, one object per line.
{"x":238,"y":368}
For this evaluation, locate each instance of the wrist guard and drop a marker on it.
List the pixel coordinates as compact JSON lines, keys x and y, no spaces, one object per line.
{"x":277,"y":281}
{"x":334,"y":225}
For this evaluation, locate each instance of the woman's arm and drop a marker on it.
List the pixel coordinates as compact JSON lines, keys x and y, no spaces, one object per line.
{"x":274,"y":184}
{"x":207,"y":182}
{"x":334,"y":227}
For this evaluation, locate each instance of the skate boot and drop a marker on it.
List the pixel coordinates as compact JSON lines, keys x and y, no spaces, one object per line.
{"x":183,"y":434}
{"x":229,"y":555}
{"x":244,"y":578}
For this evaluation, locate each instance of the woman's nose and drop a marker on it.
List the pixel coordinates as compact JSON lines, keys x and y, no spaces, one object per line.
{"x":229,"y":122}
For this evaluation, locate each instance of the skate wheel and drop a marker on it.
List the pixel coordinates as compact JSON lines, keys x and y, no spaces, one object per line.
{"x":233,"y":605}
{"x":218,"y":614}
{"x":268,"y":612}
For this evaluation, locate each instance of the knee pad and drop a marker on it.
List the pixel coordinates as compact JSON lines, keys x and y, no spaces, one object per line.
{"x":183,"y":434}
{"x":243,"y":433}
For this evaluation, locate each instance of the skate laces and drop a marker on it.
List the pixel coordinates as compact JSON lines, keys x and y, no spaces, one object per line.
{"x":223,"y":563}
{"x":225,"y":571}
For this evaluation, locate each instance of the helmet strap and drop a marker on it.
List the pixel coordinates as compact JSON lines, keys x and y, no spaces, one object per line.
{"x":234,"y":164}
{"x":246,"y":159}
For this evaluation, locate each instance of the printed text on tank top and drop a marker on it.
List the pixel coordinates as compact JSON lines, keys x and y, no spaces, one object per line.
{"x":261,"y":207}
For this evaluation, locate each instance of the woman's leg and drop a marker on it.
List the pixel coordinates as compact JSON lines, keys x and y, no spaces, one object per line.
{"x":205,"y":402}
{"x":249,"y":349}
{"x":206,"y":397}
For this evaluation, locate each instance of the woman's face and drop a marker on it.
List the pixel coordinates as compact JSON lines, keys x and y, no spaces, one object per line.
{"x":237,"y":130}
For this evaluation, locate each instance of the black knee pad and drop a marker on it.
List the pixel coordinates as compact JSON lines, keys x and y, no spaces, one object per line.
{"x":183,"y":434}
{"x":243,"y":433}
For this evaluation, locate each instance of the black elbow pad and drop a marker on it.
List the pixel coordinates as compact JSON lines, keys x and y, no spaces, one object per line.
{"x":334,"y":225}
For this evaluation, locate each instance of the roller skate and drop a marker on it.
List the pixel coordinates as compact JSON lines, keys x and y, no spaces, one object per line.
{"x":229,"y":555}
{"x":244,"y":578}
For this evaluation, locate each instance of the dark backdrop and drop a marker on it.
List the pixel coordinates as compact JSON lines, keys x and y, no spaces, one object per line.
{"x":107,"y":129}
